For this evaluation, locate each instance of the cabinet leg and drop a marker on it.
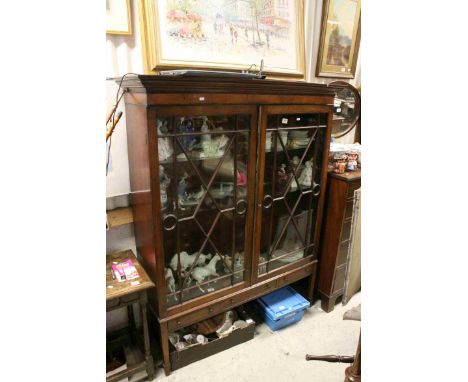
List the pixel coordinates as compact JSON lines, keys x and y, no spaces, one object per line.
{"x":148,"y":356}
{"x":164,"y":339}
{"x":328,"y":303}
{"x":310,"y":288}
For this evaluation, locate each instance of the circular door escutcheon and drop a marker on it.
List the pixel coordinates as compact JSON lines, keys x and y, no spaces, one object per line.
{"x":169,"y":222}
{"x":267,"y":201}
{"x":241,"y":203}
{"x":316,"y":189}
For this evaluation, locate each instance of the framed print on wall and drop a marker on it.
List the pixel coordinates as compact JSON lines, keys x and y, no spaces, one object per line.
{"x":339,"y":38}
{"x":224,"y":35}
{"x":118,"y":17}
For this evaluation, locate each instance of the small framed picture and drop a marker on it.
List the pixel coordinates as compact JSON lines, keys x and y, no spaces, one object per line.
{"x":118,"y":17}
{"x":339,"y":38}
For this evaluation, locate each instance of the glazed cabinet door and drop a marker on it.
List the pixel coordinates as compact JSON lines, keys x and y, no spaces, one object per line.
{"x":292,"y":168}
{"x":205,"y":176}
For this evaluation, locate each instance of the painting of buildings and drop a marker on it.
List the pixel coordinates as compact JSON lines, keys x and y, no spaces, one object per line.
{"x":230,"y":33}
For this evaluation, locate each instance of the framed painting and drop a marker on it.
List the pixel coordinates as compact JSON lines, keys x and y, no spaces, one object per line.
{"x":339,"y":38}
{"x":224,"y":35}
{"x":118,"y":17}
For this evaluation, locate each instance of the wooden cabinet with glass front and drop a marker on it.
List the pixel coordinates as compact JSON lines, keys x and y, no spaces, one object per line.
{"x":227,"y":179}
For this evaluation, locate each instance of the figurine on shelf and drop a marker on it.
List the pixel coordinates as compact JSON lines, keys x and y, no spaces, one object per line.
{"x":186,"y":260}
{"x":305,"y":179}
{"x":191,"y":199}
{"x":293,"y":182}
{"x":241,"y":179}
{"x":268,"y":141}
{"x":352,"y":161}
{"x":182,"y":185}
{"x":222,"y":142}
{"x":339,"y":166}
{"x":295,"y":161}
{"x":199,"y":274}
{"x":164,"y":182}
{"x":170,"y":281}
{"x":205,"y":129}
{"x":213,"y":147}
{"x":187,"y":141}
{"x":238,"y":262}
{"x":281,"y":178}
{"x":164,"y":144}
{"x":283,"y":136}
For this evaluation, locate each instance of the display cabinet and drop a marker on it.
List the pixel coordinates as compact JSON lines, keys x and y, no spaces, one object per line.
{"x":227,"y":180}
{"x":336,"y":237}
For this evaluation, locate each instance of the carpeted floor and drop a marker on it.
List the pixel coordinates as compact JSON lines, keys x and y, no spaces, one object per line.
{"x":280,"y":356}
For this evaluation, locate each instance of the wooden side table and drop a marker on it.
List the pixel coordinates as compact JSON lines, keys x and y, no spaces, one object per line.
{"x":126,"y":293}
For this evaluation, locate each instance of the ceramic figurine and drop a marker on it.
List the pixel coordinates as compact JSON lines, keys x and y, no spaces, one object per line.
{"x":281,"y":178}
{"x":170,"y":281}
{"x":283,"y":135}
{"x":352,"y":161}
{"x":186,"y":260}
{"x":339,"y":166}
{"x":182,"y":185}
{"x":164,"y":182}
{"x":209,"y":147}
{"x":222,"y":142}
{"x":295,"y":161}
{"x":205,"y":129}
{"x":192,"y":198}
{"x":241,"y":179}
{"x":199,"y":274}
{"x":263,"y":266}
{"x":187,"y":141}
{"x":213,"y":147}
{"x":201,"y":339}
{"x":293,"y":183}
{"x":305,"y":179}
{"x":226,"y":326}
{"x":268,"y":141}
{"x":238,"y":263}
{"x":164,"y":144}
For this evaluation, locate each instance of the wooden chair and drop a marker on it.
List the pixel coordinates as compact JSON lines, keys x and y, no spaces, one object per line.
{"x":353,"y":372}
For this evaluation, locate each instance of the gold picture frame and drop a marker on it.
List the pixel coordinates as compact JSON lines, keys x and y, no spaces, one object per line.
{"x":200,"y":26}
{"x":339,"y":38}
{"x":118,"y":17}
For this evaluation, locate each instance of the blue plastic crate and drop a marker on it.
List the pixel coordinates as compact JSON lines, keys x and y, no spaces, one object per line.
{"x":282,"y":307}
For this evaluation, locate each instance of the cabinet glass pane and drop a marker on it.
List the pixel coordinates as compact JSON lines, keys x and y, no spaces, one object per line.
{"x":292,"y":179}
{"x":203,"y":165}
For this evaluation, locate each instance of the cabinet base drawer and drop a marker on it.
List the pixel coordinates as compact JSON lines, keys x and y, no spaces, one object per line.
{"x":241,"y":297}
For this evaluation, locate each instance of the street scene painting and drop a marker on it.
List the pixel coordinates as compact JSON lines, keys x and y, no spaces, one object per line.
{"x":231,"y":33}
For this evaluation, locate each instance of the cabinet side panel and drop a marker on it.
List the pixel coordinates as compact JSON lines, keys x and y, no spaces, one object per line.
{"x":334,"y":213}
{"x":140,"y":184}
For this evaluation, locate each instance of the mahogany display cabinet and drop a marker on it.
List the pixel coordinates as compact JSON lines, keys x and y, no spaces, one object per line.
{"x":227,"y":187}
{"x":336,"y":236}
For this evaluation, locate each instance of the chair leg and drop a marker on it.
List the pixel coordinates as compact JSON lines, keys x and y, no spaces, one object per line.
{"x":330,"y":358}
{"x":353,"y":372}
